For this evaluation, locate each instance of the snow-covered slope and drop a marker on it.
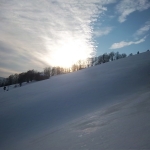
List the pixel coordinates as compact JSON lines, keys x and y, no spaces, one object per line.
{"x":105,"y":106}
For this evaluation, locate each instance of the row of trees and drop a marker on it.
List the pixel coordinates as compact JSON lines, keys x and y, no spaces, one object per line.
{"x":28,"y":76}
{"x":106,"y":57}
{"x":33,"y":75}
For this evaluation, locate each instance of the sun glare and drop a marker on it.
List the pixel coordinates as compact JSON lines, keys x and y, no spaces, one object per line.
{"x":68,"y":52}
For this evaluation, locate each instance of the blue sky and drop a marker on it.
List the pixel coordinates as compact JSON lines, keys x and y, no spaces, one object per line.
{"x":39,"y":33}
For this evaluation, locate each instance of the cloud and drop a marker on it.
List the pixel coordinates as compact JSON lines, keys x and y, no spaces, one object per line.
{"x":102,"y":31}
{"x":126,"y":7}
{"x":123,"y":43}
{"x":4,"y":71}
{"x":47,"y":32}
{"x":143,"y":30}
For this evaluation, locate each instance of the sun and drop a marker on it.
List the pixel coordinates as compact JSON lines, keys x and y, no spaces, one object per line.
{"x":68,"y":53}
{"x":66,"y":48}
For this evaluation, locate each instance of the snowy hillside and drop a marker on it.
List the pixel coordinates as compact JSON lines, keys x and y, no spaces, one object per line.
{"x":102,"y":107}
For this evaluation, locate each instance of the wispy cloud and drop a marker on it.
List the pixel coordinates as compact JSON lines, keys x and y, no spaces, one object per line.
{"x":102,"y":31}
{"x":143,"y":30}
{"x":46,"y":31}
{"x":126,"y":7}
{"x":123,"y":43}
{"x":4,"y":71}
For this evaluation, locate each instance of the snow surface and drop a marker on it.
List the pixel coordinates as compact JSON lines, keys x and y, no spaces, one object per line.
{"x":102,"y":107}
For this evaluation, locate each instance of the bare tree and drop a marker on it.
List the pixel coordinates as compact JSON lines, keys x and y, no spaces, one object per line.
{"x":124,"y":55}
{"x":111,"y":55}
{"x":47,"y":72}
{"x":106,"y":58}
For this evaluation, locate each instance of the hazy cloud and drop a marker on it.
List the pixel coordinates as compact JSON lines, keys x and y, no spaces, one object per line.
{"x":4,"y":71}
{"x":102,"y":31}
{"x":126,"y":7}
{"x":46,"y":31}
{"x":123,"y":43}
{"x":143,"y":30}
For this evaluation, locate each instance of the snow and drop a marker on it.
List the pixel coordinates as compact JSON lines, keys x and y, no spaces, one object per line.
{"x":102,"y":107}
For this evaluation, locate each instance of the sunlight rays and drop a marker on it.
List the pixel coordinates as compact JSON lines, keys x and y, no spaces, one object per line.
{"x":68,"y":51}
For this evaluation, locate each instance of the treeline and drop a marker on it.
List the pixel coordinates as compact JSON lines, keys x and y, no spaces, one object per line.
{"x":106,"y":57}
{"x":28,"y":76}
{"x":32,"y":75}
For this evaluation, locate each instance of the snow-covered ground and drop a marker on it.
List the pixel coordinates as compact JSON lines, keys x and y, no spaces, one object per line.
{"x":102,"y":107}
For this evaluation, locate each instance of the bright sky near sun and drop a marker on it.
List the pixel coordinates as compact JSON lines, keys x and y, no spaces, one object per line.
{"x":40,"y":33}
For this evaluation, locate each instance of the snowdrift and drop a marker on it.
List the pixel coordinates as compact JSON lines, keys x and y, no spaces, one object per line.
{"x":102,"y":107}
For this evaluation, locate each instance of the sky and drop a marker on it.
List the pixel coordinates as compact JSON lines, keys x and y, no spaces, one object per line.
{"x":40,"y":33}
